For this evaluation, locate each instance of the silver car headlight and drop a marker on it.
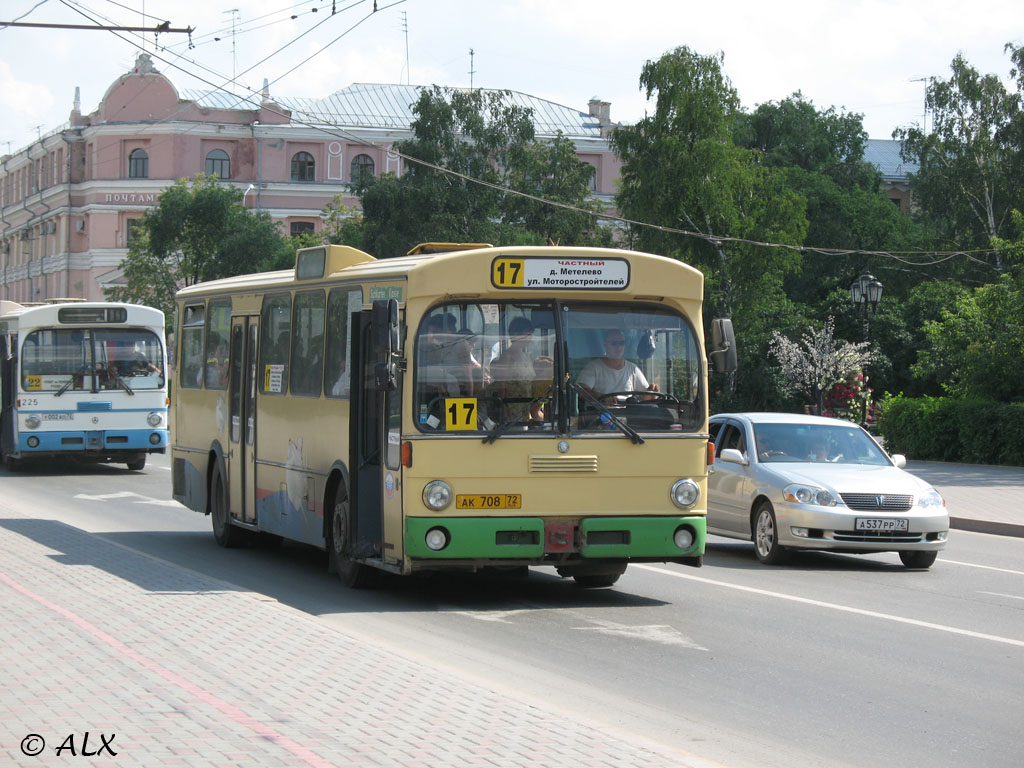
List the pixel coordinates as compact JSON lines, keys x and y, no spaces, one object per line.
{"x":437,"y":495}
{"x":684,"y":493}
{"x":808,"y":494}
{"x":931,"y":498}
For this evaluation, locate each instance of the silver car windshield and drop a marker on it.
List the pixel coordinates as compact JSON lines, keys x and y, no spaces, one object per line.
{"x":820,"y":443}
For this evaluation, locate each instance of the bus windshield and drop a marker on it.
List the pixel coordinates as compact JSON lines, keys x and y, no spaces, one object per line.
{"x":553,"y":366}
{"x":90,"y":359}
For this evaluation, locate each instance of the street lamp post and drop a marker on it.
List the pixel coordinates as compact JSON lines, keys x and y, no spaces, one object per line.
{"x":866,"y":292}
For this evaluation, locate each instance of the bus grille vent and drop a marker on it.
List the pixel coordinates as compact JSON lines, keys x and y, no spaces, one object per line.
{"x":563,"y":463}
{"x":94,"y":405}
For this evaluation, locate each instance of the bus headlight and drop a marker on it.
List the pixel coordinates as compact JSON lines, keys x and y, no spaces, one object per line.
{"x":154,"y":419}
{"x":685,"y":493}
{"x":436,"y":539}
{"x":32,"y":422}
{"x":437,"y":495}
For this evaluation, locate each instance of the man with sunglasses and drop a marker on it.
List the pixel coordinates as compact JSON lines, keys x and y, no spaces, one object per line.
{"x":613,"y":372}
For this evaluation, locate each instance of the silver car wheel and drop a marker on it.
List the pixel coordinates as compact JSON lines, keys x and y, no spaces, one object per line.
{"x":766,"y":538}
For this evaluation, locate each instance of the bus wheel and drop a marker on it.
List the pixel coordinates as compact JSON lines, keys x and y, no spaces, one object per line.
{"x":596,"y":580}
{"x":12,"y":464}
{"x":354,"y":575}
{"x":224,"y":532}
{"x":138,"y":463}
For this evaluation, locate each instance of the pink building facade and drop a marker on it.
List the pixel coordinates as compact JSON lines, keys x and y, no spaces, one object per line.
{"x":68,"y":202}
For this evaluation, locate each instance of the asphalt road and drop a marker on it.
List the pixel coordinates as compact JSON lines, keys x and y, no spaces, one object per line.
{"x":835,"y":660}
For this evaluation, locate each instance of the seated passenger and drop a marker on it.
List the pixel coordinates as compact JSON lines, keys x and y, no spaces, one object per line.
{"x":513,"y":375}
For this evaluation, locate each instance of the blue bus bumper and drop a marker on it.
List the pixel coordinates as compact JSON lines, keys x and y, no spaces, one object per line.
{"x":94,"y":441}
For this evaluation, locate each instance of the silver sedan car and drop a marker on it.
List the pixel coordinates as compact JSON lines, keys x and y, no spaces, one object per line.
{"x":788,"y":481}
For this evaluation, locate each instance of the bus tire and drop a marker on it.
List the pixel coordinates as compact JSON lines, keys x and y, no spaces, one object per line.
{"x":354,"y":575}
{"x":138,"y":463}
{"x":596,"y":580}
{"x":226,"y":534}
{"x":11,"y":464}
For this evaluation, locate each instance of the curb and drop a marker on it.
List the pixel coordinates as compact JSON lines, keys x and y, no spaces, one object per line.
{"x":986,"y":526}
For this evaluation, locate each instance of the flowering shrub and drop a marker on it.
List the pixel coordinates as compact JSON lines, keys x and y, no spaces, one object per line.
{"x":846,"y":399}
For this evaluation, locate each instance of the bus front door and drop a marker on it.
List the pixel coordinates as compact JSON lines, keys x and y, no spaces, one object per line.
{"x":241,"y":456}
{"x":367,"y":441}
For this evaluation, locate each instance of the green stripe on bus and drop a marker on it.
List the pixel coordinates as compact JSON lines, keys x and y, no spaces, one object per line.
{"x":641,"y":536}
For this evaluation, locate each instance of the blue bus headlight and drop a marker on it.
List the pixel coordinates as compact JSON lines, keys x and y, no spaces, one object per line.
{"x":154,"y":419}
{"x":32,"y":422}
{"x":685,"y":493}
{"x":437,"y":495}
{"x":33,"y":442}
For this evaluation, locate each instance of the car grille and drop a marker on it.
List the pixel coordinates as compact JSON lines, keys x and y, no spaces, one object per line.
{"x":878,"y":536}
{"x":878,"y":501}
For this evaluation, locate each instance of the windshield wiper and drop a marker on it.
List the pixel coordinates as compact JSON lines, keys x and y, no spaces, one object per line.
{"x":627,"y":430}
{"x":80,"y":372}
{"x":123,"y":384}
{"x":501,"y":428}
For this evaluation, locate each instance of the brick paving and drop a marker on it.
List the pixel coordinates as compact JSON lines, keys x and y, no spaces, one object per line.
{"x":189,"y":671}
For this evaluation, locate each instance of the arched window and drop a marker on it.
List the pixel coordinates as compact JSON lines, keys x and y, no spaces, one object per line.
{"x":138,"y":164}
{"x":361,"y":164}
{"x":303,"y":167}
{"x":218,"y":162}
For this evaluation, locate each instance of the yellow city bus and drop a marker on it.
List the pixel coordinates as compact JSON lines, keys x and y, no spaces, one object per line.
{"x":450,"y":409}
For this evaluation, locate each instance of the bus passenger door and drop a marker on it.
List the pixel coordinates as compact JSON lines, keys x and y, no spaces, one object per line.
{"x":368,"y":473}
{"x":241,"y":456}
{"x":8,"y":395}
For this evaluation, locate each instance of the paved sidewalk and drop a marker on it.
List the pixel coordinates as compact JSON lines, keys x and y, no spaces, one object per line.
{"x":172,"y":668}
{"x":983,"y":498}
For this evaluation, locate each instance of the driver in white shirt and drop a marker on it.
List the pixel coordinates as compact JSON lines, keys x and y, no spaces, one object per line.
{"x":613,"y":373}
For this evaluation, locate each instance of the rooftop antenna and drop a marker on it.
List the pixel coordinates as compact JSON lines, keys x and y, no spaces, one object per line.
{"x":234,"y":59}
{"x":471,"y":70}
{"x":924,"y":115}
{"x":405,"y":28}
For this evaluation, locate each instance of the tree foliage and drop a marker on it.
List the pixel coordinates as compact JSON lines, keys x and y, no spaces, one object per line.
{"x":490,"y":145}
{"x":199,"y":231}
{"x":969,"y":180}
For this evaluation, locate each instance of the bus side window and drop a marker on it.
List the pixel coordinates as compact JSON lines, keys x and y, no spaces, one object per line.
{"x":340,"y":305}
{"x":217,"y":330}
{"x":192,"y":326}
{"x":275,"y":341}
{"x":308,"y":344}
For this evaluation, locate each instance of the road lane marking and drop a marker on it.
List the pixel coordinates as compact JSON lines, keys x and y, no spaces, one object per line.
{"x":656,"y":633}
{"x":1003,"y":594}
{"x":986,"y":567}
{"x":837,"y":607}
{"x":127,"y":495}
{"x":262,"y":730}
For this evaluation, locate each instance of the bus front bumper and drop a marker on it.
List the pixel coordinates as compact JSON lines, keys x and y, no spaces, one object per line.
{"x":554,"y":540}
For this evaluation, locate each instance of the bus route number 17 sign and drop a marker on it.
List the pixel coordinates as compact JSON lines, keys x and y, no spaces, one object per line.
{"x":560,"y":274}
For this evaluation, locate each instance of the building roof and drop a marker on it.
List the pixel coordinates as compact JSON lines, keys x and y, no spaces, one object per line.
{"x":884,"y":154}
{"x":372,"y":105}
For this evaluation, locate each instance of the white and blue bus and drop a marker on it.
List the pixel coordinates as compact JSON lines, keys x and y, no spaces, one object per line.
{"x":83,"y":380}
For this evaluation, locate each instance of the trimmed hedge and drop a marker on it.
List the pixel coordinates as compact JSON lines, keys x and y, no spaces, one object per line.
{"x":948,"y":429}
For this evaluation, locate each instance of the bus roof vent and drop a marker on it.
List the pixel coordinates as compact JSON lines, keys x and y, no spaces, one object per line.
{"x":423,"y":248}
{"x":315,"y":263}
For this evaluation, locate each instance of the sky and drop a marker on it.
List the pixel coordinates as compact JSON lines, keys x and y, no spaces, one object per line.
{"x":863,"y":56}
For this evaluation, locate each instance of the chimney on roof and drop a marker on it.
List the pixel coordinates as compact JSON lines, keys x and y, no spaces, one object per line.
{"x":602,"y":110}
{"x":266,"y":89}
{"x":77,"y":105}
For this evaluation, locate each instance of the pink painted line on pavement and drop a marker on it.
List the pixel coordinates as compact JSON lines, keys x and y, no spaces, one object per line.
{"x":260,"y":729}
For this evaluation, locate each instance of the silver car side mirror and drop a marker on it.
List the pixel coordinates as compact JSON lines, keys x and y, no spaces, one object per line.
{"x":899,"y":460}
{"x":733,"y":456}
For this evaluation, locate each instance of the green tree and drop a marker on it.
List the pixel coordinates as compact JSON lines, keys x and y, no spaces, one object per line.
{"x":682,"y":170}
{"x":969,"y":177}
{"x":199,"y":231}
{"x":482,"y":138}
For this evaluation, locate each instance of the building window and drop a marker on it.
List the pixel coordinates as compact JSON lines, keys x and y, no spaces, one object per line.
{"x":303,"y":167}
{"x":218,"y":163}
{"x":131,"y":230}
{"x":298,"y":227}
{"x":361,"y":164}
{"x":138,"y":164}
